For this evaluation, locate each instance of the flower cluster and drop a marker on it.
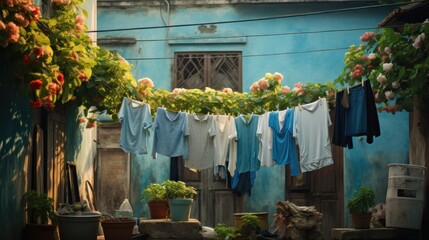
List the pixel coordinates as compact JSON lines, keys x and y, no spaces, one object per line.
{"x":144,"y":86}
{"x":396,"y":64}
{"x":270,"y":82}
{"x":56,"y":61}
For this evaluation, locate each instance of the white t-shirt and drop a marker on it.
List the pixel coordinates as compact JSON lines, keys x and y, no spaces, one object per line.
{"x":265,"y":136}
{"x":311,"y":130}
{"x":225,"y":125}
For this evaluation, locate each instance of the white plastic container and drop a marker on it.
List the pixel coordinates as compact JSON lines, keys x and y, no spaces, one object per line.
{"x":125,"y":210}
{"x":405,"y":195}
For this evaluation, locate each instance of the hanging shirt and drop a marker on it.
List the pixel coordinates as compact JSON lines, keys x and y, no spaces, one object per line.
{"x":311,"y":129}
{"x":284,"y":146}
{"x":265,"y":137}
{"x":358,"y":118}
{"x":136,"y":120}
{"x":200,"y":131}
{"x":225,"y":126}
{"x":169,"y":134}
{"x":244,"y":146}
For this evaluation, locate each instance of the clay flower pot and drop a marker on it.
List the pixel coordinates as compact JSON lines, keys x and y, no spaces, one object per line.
{"x":118,"y":229}
{"x":158,"y":209}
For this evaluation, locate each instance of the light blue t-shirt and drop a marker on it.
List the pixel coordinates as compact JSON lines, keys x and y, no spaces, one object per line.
{"x":247,"y":144}
{"x":136,"y":120}
{"x":284,"y":145}
{"x":169,"y":134}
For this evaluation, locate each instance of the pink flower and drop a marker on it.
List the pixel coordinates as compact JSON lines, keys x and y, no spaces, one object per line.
{"x":82,"y":120}
{"x":367,"y":36}
{"x":387,"y":67}
{"x":227,"y":90}
{"x":53,"y":88}
{"x":285,"y":90}
{"x":278,"y":77}
{"x":13,"y":31}
{"x":298,"y":89}
{"x":146,"y":82}
{"x":389,"y":95}
{"x":385,"y":58}
{"x":36,"y":84}
{"x":255,"y":87}
{"x":263,"y":83}
{"x":178,"y":90}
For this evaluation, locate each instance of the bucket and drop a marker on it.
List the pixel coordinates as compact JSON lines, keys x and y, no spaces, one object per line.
{"x":262,"y":216}
{"x":405,"y":196}
{"x":82,"y":226}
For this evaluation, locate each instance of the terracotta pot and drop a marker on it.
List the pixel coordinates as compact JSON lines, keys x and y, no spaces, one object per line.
{"x":40,"y":231}
{"x":158,"y":209}
{"x":361,"y":220}
{"x":119,"y":229}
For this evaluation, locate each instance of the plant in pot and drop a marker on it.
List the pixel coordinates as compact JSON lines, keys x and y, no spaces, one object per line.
{"x":180,"y":198}
{"x":359,"y":207}
{"x":249,"y":226}
{"x":225,"y":232}
{"x":154,"y":195}
{"x":40,"y":209}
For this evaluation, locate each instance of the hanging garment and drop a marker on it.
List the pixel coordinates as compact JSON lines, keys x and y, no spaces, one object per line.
{"x":311,"y":129}
{"x":225,"y":126}
{"x":359,"y":118}
{"x":136,"y":120}
{"x":244,"y":146}
{"x":242,"y":183}
{"x":169,"y":134}
{"x":284,"y":145}
{"x":339,"y":138}
{"x":265,"y":137}
{"x":200,"y":131}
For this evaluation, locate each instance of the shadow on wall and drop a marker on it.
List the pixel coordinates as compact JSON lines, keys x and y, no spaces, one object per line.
{"x":15,"y":132}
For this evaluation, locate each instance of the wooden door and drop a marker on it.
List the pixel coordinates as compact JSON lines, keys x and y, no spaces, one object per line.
{"x":215,"y":203}
{"x":323,"y":189}
{"x":113,"y":169}
{"x":56,"y":165}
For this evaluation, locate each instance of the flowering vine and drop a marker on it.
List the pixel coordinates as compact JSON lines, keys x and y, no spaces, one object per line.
{"x":54,"y":60}
{"x":266,"y":94}
{"x":395,"y":62}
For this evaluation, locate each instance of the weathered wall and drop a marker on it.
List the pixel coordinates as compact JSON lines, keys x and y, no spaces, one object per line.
{"x":15,"y":133}
{"x":291,"y":54}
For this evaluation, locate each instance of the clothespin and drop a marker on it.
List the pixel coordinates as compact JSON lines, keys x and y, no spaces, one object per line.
{"x":362,"y":83}
{"x":348,"y":90}
{"x":229,"y":116}
{"x":320,"y":100}
{"x":299,"y":106}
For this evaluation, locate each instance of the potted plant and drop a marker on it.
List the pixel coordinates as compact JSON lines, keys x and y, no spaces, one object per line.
{"x":180,"y":198}
{"x":225,"y":232}
{"x":359,"y":207}
{"x":40,"y":209}
{"x":249,"y":225}
{"x":118,"y":228}
{"x":154,"y":195}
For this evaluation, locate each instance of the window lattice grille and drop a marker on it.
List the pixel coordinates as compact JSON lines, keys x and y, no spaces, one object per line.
{"x":214,"y":70}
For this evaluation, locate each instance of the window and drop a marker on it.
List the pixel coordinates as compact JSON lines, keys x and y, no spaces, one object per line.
{"x":215,"y":70}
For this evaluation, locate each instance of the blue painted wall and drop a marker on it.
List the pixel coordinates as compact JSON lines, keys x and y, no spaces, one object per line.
{"x":318,"y":66}
{"x":15,"y":132}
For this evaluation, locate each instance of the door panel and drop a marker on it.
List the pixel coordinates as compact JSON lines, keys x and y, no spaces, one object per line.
{"x":56,"y":159}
